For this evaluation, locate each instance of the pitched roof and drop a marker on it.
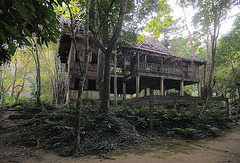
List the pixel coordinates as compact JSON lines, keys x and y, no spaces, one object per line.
{"x":150,"y":44}
{"x":155,"y":46}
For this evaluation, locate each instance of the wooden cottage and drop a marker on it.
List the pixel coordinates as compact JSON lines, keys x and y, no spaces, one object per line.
{"x":145,"y":66}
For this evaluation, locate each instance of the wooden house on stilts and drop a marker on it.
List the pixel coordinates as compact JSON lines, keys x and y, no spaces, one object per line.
{"x":139,"y":69}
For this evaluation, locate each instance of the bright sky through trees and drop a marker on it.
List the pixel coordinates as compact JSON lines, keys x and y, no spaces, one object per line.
{"x":178,"y":13}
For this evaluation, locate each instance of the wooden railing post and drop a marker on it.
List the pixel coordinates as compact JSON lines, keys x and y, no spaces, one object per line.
{"x":124,"y":91}
{"x":162,"y":86}
{"x":137,"y":86}
{"x":181,"y":88}
{"x":199,"y":89}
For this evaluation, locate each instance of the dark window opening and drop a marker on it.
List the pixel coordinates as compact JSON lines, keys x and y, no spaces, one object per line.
{"x":76,"y":83}
{"x":91,"y":85}
{"x":94,"y":58}
{"x":77,"y":56}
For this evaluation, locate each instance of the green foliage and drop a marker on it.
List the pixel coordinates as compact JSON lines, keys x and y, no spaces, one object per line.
{"x":227,"y":63}
{"x":7,"y":99}
{"x":99,"y":133}
{"x":26,"y":18}
{"x":162,"y":22}
{"x":180,"y":122}
{"x":29,"y":106}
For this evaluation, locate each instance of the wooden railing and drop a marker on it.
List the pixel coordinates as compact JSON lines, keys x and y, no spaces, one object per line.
{"x":157,"y":68}
{"x":156,"y":100}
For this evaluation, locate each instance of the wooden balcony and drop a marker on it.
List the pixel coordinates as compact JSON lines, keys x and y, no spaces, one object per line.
{"x":153,"y":68}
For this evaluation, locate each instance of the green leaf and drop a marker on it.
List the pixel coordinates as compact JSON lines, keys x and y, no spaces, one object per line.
{"x":21,"y":9}
{"x":11,"y":48}
{"x":2,"y":37}
{"x":13,"y":31}
{"x":40,"y":1}
{"x":26,"y":31}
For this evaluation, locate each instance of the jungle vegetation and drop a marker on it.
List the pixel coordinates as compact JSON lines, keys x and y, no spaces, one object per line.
{"x":31,"y":72}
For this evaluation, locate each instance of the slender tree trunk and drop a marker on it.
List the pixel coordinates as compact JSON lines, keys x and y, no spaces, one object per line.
{"x":51,"y":77}
{"x":207,"y":53}
{"x":115,"y":78}
{"x":38,"y":77}
{"x":57,"y":86}
{"x":214,"y":47}
{"x":104,"y":106}
{"x":15,"y":76}
{"x":2,"y":82}
{"x":22,"y":87}
{"x":189,"y":34}
{"x":205,"y":65}
{"x":83,"y":70}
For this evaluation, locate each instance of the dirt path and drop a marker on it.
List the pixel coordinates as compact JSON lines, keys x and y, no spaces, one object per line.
{"x":221,"y":150}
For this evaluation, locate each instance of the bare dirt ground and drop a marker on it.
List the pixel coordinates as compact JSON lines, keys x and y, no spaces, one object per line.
{"x":219,"y":150}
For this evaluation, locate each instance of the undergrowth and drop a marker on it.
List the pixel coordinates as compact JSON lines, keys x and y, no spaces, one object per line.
{"x":180,"y":122}
{"x":123,"y":127}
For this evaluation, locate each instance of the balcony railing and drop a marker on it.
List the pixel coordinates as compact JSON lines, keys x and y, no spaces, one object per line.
{"x":158,"y":69}
{"x":167,"y":70}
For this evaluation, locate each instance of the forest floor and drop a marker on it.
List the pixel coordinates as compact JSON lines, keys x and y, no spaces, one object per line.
{"x":216,"y":150}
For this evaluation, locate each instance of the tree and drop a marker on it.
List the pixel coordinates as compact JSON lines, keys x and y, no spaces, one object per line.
{"x":14,"y":75}
{"x":189,"y":34}
{"x":83,"y":70}
{"x":105,"y":90}
{"x":227,"y":63}
{"x":35,"y":52}
{"x":210,"y":13}
{"x":20,"y":19}
{"x":132,"y":10}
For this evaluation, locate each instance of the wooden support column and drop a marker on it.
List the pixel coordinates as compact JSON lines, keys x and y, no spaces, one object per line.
{"x":182,"y":88}
{"x":145,"y":90}
{"x":162,"y":86}
{"x":151,"y":92}
{"x":199,"y":89}
{"x":124,"y":91}
{"x":138,"y":61}
{"x":115,"y":78}
{"x":124,"y":77}
{"x":137,"y":85}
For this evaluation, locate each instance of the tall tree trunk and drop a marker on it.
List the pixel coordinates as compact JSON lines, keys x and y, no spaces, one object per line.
{"x":189,"y":34}
{"x":205,"y":65}
{"x":15,"y":76}
{"x":83,"y":70}
{"x":2,"y":82}
{"x":38,"y":77}
{"x":115,"y":77}
{"x":51,"y":76}
{"x":216,"y":28}
{"x":57,"y":86}
{"x":105,"y":94}
{"x":22,"y":86}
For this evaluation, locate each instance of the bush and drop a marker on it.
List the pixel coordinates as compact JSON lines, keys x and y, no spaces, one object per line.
{"x":99,"y":133}
{"x":122,"y":127}
{"x":179,"y":122}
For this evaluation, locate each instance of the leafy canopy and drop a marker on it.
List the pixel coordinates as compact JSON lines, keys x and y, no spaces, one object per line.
{"x":26,"y":18}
